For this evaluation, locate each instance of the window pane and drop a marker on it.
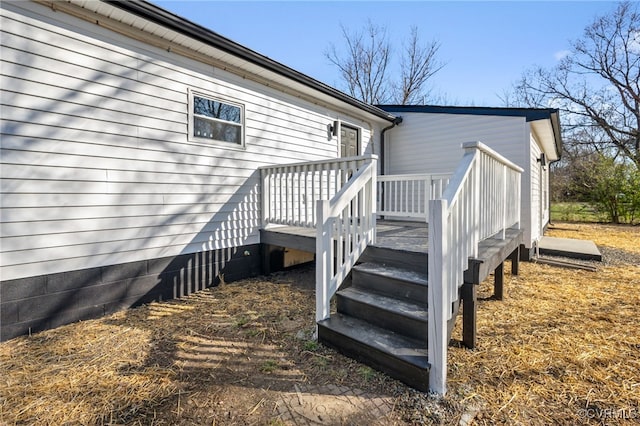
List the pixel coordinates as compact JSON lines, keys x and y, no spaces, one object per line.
{"x":215,"y":109}
{"x":216,"y":130}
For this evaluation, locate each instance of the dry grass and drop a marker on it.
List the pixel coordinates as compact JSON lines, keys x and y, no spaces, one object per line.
{"x":226,"y":355}
{"x":80,"y":374}
{"x":562,"y":348}
{"x":133,"y":366}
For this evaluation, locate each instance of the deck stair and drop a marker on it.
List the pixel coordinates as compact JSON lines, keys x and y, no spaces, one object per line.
{"x":381,"y":318}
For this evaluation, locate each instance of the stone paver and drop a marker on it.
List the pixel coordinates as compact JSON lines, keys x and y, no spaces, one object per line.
{"x":330,"y":405}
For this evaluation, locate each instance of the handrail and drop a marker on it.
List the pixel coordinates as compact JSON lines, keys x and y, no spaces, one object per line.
{"x":345,"y":226}
{"x":289,"y":191}
{"x":408,"y":195}
{"x":481,"y":201}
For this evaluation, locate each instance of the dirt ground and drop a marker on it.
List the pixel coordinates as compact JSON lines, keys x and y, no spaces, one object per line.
{"x":563,"y":347}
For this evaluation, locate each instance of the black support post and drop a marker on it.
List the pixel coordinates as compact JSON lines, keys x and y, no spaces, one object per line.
{"x":515,"y":261}
{"x":469,"y":312}
{"x":498,"y":284}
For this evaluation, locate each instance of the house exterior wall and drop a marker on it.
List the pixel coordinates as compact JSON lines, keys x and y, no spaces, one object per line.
{"x":98,"y":170}
{"x":427,"y":142}
{"x":532,"y":186}
{"x":539,"y":191}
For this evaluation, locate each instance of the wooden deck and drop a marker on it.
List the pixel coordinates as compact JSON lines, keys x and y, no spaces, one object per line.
{"x":409,"y":237}
{"x":399,"y":235}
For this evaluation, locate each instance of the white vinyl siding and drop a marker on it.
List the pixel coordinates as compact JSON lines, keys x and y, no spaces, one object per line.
{"x":432,"y":142}
{"x":538,"y":209}
{"x":535,"y":191}
{"x":97,"y":167}
{"x":544,"y":187}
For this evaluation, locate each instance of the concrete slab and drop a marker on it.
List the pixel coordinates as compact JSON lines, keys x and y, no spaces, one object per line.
{"x":569,"y":247}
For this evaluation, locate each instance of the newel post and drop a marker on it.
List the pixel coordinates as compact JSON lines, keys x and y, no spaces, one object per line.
{"x":265,"y":191}
{"x":519,"y":199}
{"x":373,"y":199}
{"x":475,"y":202}
{"x":504,"y":201}
{"x":429,"y":193}
{"x":438,"y":297}
{"x":324,"y":259}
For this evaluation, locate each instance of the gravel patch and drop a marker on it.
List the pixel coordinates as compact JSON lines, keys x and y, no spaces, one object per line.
{"x":617,"y":257}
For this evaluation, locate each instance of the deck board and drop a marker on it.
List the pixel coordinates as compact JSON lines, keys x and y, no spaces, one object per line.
{"x":491,"y":253}
{"x":294,"y":237}
{"x":399,"y":235}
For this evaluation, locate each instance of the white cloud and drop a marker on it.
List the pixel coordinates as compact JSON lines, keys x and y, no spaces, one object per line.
{"x":561,"y":54}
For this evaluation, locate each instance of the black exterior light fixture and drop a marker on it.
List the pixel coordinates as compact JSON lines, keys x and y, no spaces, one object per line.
{"x":332,"y":129}
{"x":542,"y":160}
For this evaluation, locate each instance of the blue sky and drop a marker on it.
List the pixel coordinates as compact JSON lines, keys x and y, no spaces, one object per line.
{"x":486,"y":45}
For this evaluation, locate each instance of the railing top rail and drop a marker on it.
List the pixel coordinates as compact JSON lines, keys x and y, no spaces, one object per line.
{"x":460,"y":175}
{"x":484,"y":148}
{"x":328,"y":160}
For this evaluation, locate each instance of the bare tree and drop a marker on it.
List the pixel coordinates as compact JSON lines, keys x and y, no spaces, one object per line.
{"x":417,"y":65}
{"x":366,"y":64}
{"x":597,"y":85}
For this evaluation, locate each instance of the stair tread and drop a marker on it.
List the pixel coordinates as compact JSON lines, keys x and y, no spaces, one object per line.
{"x":404,"y":307}
{"x":393,"y":272}
{"x":410,"y":260}
{"x":409,"y":350}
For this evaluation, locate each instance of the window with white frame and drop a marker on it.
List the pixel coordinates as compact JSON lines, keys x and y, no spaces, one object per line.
{"x":215,"y":119}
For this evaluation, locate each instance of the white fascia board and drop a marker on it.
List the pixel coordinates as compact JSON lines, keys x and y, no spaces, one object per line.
{"x":543,"y":131}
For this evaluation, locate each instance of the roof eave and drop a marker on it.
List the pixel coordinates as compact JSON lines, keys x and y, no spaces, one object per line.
{"x":530,"y":114}
{"x":555,"y":122}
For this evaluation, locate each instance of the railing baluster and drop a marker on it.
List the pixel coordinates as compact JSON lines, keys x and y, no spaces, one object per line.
{"x":322,"y":194}
{"x":314,"y":180}
{"x":386,"y":194}
{"x":296,"y":196}
{"x":281,"y":188}
{"x":409,"y":195}
{"x":426,"y":195}
{"x":287,"y":197}
{"x":303,"y":197}
{"x":289,"y":191}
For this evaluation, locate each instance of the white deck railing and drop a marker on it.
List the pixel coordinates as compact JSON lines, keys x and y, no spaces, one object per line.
{"x":482,"y":200}
{"x":290,"y":191}
{"x":337,"y":197}
{"x":346,"y":224}
{"x":409,"y":195}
